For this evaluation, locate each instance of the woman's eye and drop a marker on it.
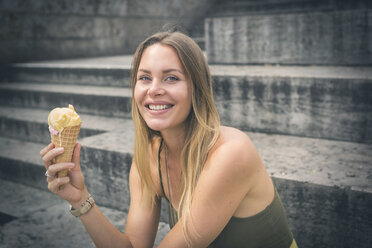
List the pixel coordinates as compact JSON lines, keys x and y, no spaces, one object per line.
{"x":172,"y":78}
{"x":144,"y":78}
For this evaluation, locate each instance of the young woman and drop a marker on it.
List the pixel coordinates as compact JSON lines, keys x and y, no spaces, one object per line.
{"x":217,"y":188}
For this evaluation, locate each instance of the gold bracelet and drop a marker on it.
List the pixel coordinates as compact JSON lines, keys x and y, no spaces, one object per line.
{"x":84,"y":208}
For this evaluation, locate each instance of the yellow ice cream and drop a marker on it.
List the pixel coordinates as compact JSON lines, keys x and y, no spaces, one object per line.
{"x":60,"y":118}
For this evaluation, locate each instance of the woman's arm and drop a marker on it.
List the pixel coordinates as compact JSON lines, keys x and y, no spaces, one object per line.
{"x":101,"y":231}
{"x":142,"y":222}
{"x":229,"y":174}
{"x":141,"y":225}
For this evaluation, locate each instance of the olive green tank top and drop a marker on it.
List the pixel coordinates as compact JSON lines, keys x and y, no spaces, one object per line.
{"x":267,"y":229}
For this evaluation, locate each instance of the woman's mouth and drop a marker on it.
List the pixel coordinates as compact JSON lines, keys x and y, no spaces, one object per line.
{"x":159,"y":106}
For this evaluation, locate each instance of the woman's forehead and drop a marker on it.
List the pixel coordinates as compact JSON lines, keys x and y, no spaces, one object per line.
{"x":159,"y":56}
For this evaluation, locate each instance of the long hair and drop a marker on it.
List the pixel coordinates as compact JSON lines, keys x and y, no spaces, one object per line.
{"x":202,"y":123}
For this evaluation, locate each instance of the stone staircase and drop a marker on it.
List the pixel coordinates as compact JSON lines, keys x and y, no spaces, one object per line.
{"x":324,"y":178}
{"x":309,"y":116}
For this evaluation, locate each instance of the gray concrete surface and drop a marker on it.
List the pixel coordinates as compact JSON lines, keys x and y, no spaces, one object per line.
{"x":314,"y":177}
{"x":123,"y":62}
{"x":30,"y":125}
{"x":319,"y":177}
{"x":244,"y":7}
{"x":43,"y":220}
{"x":305,"y":38}
{"x":40,"y":29}
{"x":86,"y":99}
{"x":330,"y":108}
{"x":318,"y":101}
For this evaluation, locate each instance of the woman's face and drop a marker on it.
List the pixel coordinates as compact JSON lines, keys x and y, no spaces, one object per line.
{"x":162,"y":90}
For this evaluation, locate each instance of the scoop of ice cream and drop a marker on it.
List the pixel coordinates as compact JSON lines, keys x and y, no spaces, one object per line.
{"x":60,"y":118}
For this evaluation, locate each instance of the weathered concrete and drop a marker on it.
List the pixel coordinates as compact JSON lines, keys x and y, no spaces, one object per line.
{"x":314,"y":101}
{"x":321,"y":38}
{"x":40,"y":29}
{"x":302,"y":168}
{"x":86,"y":99}
{"x":318,"y":161}
{"x":105,"y":161}
{"x":100,"y":71}
{"x":22,"y":200}
{"x":327,"y":216}
{"x":330,"y":108}
{"x":308,"y":172}
{"x":81,"y":76}
{"x":244,"y":7}
{"x":31,"y":124}
{"x":108,"y":169}
{"x":43,"y":220}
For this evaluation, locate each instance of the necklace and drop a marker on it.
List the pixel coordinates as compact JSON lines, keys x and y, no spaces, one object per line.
{"x":172,"y":213}
{"x":166,"y":171}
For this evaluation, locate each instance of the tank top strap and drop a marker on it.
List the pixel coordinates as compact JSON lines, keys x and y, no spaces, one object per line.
{"x":159,"y":167}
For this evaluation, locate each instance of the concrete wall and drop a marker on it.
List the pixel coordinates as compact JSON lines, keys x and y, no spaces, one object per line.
{"x":42,"y":29}
{"x":323,"y":38}
{"x":244,"y":7}
{"x":326,"y":216}
{"x":331,"y":108}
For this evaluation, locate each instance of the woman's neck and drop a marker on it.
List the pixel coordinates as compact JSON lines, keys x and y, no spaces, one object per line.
{"x":174,"y":142}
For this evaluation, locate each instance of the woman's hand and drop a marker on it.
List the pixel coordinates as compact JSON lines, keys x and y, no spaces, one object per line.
{"x":70,"y":188}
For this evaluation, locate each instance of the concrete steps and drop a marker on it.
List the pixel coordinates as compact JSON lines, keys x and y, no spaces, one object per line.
{"x":31,"y":125}
{"x":243,"y":7}
{"x":313,"y":176}
{"x":317,"y":101}
{"x":20,"y":162}
{"x":317,"y":175}
{"x":336,"y":37}
{"x":86,"y":99}
{"x":103,"y":71}
{"x":39,"y":219}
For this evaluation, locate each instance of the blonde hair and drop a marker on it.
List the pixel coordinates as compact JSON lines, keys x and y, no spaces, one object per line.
{"x":202,"y":122}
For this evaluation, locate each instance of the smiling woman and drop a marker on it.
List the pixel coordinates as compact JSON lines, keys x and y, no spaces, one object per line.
{"x":162,"y":90}
{"x":214,"y":181}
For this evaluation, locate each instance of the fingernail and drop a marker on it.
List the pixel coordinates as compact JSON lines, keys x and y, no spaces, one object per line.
{"x":71,"y":165}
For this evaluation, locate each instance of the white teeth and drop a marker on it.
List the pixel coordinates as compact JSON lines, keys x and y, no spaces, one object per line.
{"x":158,"y":107}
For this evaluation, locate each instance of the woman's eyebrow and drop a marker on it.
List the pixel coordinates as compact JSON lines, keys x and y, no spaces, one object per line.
{"x":164,"y":71}
{"x":145,"y":71}
{"x":172,"y":70}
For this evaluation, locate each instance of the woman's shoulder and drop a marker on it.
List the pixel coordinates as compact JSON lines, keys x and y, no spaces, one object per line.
{"x":233,"y":159}
{"x":232,"y":138}
{"x":234,"y":147}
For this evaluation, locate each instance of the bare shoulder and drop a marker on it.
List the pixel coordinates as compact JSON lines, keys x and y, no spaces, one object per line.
{"x":234,"y":151}
{"x":230,"y":134}
{"x":234,"y":142}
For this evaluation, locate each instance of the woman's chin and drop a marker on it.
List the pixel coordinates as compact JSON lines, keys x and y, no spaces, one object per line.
{"x":156,"y":127}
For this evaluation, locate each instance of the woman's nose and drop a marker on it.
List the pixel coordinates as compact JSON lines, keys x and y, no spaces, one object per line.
{"x":156,"y":88}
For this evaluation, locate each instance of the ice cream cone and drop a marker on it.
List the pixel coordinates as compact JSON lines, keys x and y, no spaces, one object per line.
{"x":66,"y":139}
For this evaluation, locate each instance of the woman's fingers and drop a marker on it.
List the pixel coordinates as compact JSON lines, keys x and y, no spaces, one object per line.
{"x":50,"y":155}
{"x":54,"y":168}
{"x":46,"y":149}
{"x":57,"y":184}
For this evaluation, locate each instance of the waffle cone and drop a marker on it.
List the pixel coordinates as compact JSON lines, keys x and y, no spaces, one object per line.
{"x":67,"y":140}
